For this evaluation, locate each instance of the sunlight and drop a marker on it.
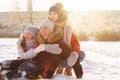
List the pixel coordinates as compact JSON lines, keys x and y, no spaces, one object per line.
{"x":71,"y":5}
{"x":10,"y":5}
{"x":84,"y":5}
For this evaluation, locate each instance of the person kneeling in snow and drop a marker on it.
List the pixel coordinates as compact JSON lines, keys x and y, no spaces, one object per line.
{"x":58,"y":47}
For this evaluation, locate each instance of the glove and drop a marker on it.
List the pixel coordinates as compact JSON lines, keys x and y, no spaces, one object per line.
{"x":40,"y":48}
{"x":63,"y":65}
{"x":53,"y":48}
{"x":71,"y":60}
{"x":19,"y":41}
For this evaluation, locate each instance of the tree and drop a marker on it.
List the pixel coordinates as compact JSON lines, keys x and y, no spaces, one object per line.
{"x":17,"y":9}
{"x":30,"y":10}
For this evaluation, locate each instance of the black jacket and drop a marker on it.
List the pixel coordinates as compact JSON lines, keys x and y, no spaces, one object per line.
{"x":52,"y":60}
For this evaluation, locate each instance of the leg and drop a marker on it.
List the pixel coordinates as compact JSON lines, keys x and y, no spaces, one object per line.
{"x":10,"y":74}
{"x":50,"y":74}
{"x":10,"y":64}
{"x":14,"y":68}
{"x":78,"y":69}
{"x":32,"y":70}
{"x":82,"y":56}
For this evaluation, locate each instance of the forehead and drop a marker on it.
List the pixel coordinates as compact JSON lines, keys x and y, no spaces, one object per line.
{"x":53,"y":12}
{"x":28,"y":32}
{"x":44,"y":27}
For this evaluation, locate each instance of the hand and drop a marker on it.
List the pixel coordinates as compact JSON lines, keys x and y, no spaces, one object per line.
{"x":40,"y":48}
{"x":72,"y":59}
{"x":53,"y":48}
{"x":63,"y":65}
{"x":19,"y":41}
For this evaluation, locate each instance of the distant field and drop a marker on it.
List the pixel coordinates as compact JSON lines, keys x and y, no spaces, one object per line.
{"x":89,"y":25}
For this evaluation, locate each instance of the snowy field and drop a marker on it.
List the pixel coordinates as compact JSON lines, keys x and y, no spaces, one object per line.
{"x":102,"y":60}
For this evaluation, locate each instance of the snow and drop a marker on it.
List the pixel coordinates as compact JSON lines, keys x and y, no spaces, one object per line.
{"x":102,"y":61}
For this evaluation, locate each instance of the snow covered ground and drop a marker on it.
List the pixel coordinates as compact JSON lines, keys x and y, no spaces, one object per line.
{"x":102,"y":60}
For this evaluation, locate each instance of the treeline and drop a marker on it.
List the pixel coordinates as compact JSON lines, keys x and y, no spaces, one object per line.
{"x":107,"y":30}
{"x":94,"y":25}
{"x":101,"y":34}
{"x":11,"y":31}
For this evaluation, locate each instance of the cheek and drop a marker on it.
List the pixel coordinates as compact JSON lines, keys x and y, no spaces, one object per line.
{"x":30,"y":37}
{"x":48,"y":31}
{"x":53,"y":18}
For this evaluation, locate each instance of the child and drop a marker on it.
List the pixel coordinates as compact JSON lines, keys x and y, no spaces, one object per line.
{"x":26,"y":44}
{"x":26,"y":50}
{"x":59,"y":17}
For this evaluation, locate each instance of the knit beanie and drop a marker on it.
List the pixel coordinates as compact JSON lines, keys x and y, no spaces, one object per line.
{"x":47,"y":23}
{"x":32,"y":29}
{"x":56,"y":9}
{"x":59,"y":4}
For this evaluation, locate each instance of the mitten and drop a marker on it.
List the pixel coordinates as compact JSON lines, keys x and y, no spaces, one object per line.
{"x":40,"y":48}
{"x":53,"y":48}
{"x":72,"y":59}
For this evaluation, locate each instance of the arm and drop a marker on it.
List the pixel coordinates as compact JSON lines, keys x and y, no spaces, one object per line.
{"x":75,"y":46}
{"x":26,"y":55}
{"x":29,"y":53}
{"x":71,"y":60}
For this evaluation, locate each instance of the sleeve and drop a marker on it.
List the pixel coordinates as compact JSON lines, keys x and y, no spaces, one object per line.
{"x":56,"y":35}
{"x":26,"y":55}
{"x":66,"y":51}
{"x":75,"y":46}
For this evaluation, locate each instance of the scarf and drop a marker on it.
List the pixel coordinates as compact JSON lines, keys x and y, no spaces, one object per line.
{"x":30,"y":44}
{"x":67,"y":35}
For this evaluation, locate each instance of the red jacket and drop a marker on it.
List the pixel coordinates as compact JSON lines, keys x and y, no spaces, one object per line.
{"x":75,"y":46}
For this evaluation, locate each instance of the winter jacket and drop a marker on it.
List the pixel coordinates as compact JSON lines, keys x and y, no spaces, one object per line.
{"x":56,"y":35}
{"x":75,"y":46}
{"x":51,"y":61}
{"x":28,"y":54}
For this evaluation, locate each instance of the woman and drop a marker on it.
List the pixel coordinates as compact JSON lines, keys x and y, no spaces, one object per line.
{"x":60,"y":17}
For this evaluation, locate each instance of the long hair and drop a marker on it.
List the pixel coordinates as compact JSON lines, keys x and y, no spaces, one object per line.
{"x":62,"y":17}
{"x":23,"y":44}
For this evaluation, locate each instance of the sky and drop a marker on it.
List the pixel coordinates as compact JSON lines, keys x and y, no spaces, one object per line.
{"x":76,"y":5}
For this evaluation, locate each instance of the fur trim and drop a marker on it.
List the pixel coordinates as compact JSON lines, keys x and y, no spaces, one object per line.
{"x":40,"y":40}
{"x":56,"y":35}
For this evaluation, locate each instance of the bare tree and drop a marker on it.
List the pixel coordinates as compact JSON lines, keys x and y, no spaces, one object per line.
{"x":30,"y":10}
{"x":17,"y":9}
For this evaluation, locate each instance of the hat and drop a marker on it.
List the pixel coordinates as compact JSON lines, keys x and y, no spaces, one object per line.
{"x":47,"y":23}
{"x":59,"y":4}
{"x":32,"y":29}
{"x":56,"y":9}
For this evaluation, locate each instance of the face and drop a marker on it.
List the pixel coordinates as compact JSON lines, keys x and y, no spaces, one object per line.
{"x":45,"y":32}
{"x":53,"y":16}
{"x":28,"y":35}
